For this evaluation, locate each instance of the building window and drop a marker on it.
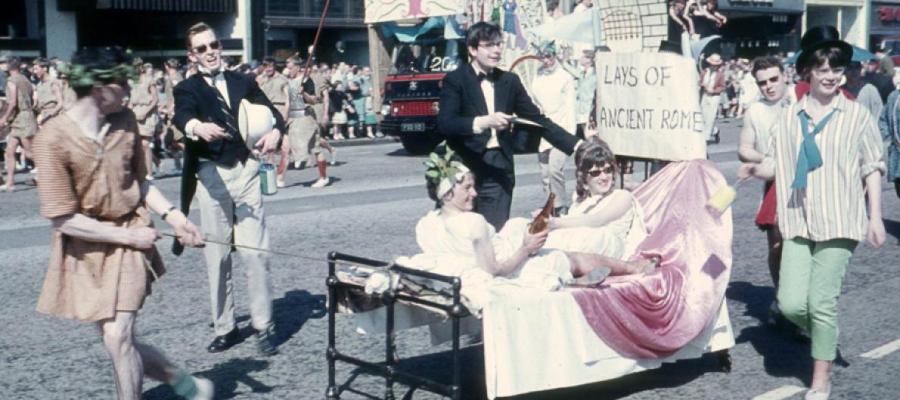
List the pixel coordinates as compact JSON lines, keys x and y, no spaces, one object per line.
{"x":283,"y":7}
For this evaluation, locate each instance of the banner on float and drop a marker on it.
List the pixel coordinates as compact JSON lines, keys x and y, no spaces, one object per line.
{"x":648,"y":106}
{"x":397,"y":10}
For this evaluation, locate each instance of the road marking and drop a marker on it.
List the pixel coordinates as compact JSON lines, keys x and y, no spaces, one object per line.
{"x":882,"y":350}
{"x":780,"y":393}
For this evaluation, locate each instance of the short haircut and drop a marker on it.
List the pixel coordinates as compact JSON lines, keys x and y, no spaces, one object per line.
{"x":293,"y":60}
{"x":173,"y":63}
{"x":195,"y":29}
{"x":43,"y":62}
{"x":14,"y":63}
{"x":269,"y":60}
{"x":834,"y":56}
{"x":761,"y":63}
{"x":482,"y":32}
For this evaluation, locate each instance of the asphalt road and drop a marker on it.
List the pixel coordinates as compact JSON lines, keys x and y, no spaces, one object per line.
{"x":371,"y":210}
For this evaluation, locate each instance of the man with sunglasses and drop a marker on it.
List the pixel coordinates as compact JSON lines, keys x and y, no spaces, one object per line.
{"x":768,"y":72}
{"x":477,"y":105}
{"x":231,"y":210}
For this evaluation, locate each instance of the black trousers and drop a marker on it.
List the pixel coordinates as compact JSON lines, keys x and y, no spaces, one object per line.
{"x":897,"y":187}
{"x":494,"y":184}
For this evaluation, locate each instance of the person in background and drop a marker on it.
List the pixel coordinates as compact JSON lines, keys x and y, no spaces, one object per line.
{"x":19,"y":117}
{"x":48,"y":95}
{"x":585,"y":93}
{"x":889,"y":124}
{"x":303,"y":130}
{"x":553,"y":90}
{"x":103,"y":258}
{"x":865,"y":94}
{"x":275,"y":87}
{"x":754,"y":144}
{"x":880,"y":73}
{"x":712,"y":84}
{"x":826,"y":158}
{"x":144,"y":101}
{"x":173,"y":138}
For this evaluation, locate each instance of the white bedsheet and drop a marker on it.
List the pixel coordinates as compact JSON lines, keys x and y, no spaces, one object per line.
{"x":540,"y":340}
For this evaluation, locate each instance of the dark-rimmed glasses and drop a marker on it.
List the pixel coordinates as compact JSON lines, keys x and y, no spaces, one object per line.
{"x":489,"y":45}
{"x":214,"y":45}
{"x":597,"y":171}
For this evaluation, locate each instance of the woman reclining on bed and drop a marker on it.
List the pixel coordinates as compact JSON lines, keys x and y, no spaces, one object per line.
{"x":453,"y":231}
{"x":602,"y":220}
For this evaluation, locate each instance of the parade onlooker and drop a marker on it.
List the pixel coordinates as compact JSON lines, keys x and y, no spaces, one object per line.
{"x":712,"y":84}
{"x":103,"y":259}
{"x":865,"y":94}
{"x":586,"y":91}
{"x":173,"y":137}
{"x":20,"y":118}
{"x":880,"y":73}
{"x":275,"y":87}
{"x":231,"y":207}
{"x":553,"y":90}
{"x":144,"y":101}
{"x":681,"y":27}
{"x":48,"y":95}
{"x":303,"y":130}
{"x":754,"y":144}
{"x":357,"y":108}
{"x":337,"y":115}
{"x":889,"y":123}
{"x":826,"y":158}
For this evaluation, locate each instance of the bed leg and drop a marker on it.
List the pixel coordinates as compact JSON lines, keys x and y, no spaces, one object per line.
{"x":724,"y":358}
{"x":456,"y":314}
{"x":331,"y":393}
{"x":389,"y":348}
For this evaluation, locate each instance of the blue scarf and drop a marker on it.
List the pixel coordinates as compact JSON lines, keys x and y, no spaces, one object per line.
{"x":809,"y":157}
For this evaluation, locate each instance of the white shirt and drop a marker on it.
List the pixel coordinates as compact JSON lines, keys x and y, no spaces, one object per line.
{"x":219,"y":83}
{"x":487,"y":89}
{"x":761,"y":116}
{"x":554,"y":91}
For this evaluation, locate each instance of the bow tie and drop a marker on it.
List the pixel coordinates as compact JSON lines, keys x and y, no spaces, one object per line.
{"x":489,"y":77}
{"x":211,"y":75}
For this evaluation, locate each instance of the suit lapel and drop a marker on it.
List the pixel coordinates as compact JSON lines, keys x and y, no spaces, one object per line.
{"x":501,"y":91}
{"x":477,"y":96}
{"x":233,"y":95}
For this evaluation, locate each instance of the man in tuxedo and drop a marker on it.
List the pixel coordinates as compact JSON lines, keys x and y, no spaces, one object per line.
{"x":477,"y":102}
{"x":231,"y":210}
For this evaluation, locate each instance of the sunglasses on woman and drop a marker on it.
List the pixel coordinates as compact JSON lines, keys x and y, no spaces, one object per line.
{"x":596,"y":172}
{"x":214,"y":45}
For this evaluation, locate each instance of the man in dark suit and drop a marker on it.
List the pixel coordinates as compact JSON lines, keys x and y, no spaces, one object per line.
{"x":477,"y":102}
{"x":231,"y":210}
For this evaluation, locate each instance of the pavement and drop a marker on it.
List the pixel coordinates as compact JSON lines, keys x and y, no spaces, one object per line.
{"x":370,"y":210}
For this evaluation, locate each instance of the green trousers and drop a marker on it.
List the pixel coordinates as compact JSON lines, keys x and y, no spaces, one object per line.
{"x":809,"y":286}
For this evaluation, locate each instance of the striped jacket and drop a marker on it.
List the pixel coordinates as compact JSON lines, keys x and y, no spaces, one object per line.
{"x":833,"y":204}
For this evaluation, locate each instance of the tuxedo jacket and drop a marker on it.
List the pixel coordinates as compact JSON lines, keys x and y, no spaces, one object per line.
{"x":462,"y":100}
{"x":196,"y":99}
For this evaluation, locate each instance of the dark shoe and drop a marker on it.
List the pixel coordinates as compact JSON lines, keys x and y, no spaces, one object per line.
{"x":224,"y":342}
{"x":265,"y":342}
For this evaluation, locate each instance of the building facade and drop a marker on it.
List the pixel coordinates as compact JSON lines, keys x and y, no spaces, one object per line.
{"x":761,"y":27}
{"x":884,"y":26}
{"x":290,"y":26}
{"x":850,"y":17}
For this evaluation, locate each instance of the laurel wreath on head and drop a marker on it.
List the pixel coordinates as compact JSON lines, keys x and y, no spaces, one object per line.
{"x":444,"y":171}
{"x":80,"y":76}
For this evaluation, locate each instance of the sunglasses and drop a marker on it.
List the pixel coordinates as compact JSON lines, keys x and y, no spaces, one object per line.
{"x":596,"y":172}
{"x":214,"y":45}
{"x":762,"y":83}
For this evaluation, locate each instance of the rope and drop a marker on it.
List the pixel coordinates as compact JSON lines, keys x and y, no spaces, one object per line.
{"x":261,"y":250}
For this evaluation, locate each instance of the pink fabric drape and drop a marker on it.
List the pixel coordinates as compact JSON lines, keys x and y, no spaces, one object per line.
{"x":655,"y":315}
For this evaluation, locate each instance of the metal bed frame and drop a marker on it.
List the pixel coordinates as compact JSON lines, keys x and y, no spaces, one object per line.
{"x":388,"y":368}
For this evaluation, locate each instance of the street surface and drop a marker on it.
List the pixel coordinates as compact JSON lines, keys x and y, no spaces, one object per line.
{"x":370,"y":210}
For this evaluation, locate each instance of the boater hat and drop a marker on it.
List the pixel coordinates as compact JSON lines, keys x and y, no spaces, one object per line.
{"x":714,"y":59}
{"x":819,"y":37}
{"x":254,"y":122}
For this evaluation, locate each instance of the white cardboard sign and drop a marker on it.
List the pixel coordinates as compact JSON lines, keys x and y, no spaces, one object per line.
{"x":648,"y":106}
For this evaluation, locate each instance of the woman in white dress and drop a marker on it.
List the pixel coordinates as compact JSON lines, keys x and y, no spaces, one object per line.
{"x":454,"y":232}
{"x":602,"y":220}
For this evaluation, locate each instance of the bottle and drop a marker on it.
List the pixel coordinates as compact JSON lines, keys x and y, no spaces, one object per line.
{"x":542,"y":220}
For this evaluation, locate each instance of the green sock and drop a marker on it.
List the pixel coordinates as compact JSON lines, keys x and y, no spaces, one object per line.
{"x":184,"y":384}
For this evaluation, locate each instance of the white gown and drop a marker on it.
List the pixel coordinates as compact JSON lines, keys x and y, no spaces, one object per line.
{"x":448,"y":248}
{"x":618,"y":239}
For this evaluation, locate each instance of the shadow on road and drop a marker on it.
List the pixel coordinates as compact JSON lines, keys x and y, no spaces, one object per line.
{"x":293,"y":310}
{"x":225,"y":376}
{"x":892,"y":227}
{"x":784,"y":355}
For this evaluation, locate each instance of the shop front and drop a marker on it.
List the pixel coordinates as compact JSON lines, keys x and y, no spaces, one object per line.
{"x":850,"y":17}
{"x":760,"y":27}
{"x":884,"y":27}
